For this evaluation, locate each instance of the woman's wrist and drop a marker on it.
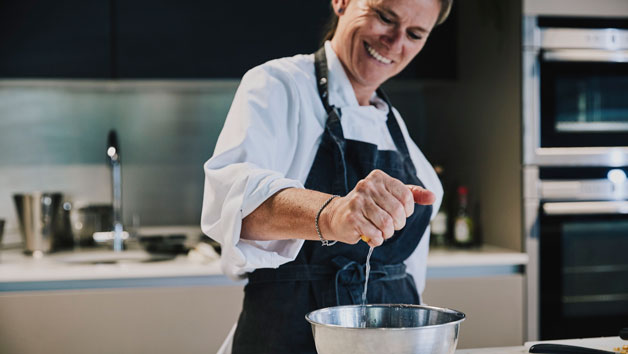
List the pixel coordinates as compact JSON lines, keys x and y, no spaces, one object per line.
{"x":325,"y":220}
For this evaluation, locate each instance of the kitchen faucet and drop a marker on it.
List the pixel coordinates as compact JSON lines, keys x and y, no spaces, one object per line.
{"x":113,"y":156}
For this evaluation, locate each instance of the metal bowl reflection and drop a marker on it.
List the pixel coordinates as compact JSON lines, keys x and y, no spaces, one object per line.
{"x":376,"y":329}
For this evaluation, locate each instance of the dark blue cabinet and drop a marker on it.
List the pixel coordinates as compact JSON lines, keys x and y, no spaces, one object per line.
{"x":175,"y":39}
{"x":55,"y":39}
{"x":212,"y":39}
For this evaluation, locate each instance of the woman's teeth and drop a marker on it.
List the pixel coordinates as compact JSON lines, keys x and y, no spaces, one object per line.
{"x":376,"y":55}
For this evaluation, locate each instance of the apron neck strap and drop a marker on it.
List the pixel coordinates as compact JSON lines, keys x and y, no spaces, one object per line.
{"x":393,"y":127}
{"x":322,"y":80}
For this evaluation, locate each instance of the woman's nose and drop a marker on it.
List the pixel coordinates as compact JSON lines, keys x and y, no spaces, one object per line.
{"x":393,"y":39}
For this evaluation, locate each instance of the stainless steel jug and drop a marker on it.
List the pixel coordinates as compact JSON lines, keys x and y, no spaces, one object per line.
{"x":42,"y":222}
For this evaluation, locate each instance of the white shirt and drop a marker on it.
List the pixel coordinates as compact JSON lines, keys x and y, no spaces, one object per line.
{"x":268,"y":143}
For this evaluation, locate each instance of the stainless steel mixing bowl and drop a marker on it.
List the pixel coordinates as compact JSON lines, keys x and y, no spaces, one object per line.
{"x":377,"y":329}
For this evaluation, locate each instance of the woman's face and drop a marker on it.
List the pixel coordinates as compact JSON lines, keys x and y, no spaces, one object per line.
{"x":376,"y":39}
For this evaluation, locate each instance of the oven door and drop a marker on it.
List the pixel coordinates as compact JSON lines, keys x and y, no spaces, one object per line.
{"x":583,"y":269}
{"x":583,"y":98}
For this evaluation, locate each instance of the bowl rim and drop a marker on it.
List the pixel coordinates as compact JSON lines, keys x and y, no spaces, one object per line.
{"x":440,"y":309}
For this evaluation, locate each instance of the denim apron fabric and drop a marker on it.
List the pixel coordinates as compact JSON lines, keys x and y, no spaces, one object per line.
{"x":276,"y":301}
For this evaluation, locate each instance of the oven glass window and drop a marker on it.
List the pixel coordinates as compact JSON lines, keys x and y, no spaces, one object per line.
{"x":583,"y":262}
{"x":595,"y":268}
{"x":584,"y":104}
{"x":591,"y":103}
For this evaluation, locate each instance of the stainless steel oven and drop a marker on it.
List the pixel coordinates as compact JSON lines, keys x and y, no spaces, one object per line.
{"x":575,"y":91}
{"x":578,"y":233}
{"x":575,"y":157}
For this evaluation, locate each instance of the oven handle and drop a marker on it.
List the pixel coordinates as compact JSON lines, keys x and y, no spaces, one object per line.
{"x":586,"y":55}
{"x":585,"y":208}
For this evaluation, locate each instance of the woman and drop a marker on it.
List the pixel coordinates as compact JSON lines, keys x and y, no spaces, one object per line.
{"x":312,"y":153}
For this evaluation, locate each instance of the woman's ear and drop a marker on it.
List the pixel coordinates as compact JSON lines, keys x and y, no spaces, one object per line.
{"x":339,"y":6}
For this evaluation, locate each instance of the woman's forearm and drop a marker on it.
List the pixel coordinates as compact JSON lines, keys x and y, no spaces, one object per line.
{"x":373,"y":210}
{"x":288,"y":214}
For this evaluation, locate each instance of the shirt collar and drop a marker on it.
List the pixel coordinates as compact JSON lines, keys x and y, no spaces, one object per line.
{"x":341,"y":92}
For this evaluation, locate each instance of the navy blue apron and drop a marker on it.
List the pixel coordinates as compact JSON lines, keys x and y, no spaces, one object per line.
{"x":272,"y":320}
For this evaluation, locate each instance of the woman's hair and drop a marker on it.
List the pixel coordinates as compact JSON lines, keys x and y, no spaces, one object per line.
{"x":332,"y":23}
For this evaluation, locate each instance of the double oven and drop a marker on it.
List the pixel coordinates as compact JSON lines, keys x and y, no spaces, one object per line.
{"x":575,"y":163}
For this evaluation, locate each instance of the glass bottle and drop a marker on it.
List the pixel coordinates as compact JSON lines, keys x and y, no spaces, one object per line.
{"x":440,"y":224}
{"x":463,"y":232}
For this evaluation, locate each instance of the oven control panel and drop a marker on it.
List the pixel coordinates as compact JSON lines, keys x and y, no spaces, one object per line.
{"x":574,"y":38}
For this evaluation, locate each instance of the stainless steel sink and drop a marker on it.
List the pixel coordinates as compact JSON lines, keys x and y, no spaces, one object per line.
{"x":106,"y":256}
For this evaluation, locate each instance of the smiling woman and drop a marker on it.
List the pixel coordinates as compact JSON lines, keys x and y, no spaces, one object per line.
{"x":312,"y":159}
{"x":376,"y":39}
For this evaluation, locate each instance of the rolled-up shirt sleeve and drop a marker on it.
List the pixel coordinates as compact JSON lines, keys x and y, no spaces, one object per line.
{"x":252,"y":157}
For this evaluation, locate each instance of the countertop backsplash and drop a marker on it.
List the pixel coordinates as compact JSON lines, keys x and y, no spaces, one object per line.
{"x":53,"y":137}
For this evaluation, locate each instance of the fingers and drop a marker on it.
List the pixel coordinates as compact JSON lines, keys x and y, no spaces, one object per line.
{"x":386,"y":198}
{"x":374,"y":244}
{"x":369,"y":233}
{"x":381,"y":219}
{"x":368,"y":241}
{"x":402,"y":193}
{"x":377,"y":206}
{"x":421,"y":195}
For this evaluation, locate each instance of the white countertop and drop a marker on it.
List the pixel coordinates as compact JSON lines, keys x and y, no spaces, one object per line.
{"x":605,"y":343}
{"x":17,"y":267}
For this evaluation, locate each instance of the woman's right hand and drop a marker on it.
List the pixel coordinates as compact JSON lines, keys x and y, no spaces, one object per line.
{"x":376,"y":207}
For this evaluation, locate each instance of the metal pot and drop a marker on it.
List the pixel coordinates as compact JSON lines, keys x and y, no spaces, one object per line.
{"x":90,"y":219}
{"x":376,"y":329}
{"x":44,"y":224}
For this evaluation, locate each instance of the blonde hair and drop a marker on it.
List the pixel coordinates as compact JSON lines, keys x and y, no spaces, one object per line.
{"x":332,"y":23}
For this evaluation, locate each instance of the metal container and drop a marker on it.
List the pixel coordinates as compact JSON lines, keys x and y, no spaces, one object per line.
{"x":42,"y":222}
{"x":393,"y":329}
{"x":88,"y":220}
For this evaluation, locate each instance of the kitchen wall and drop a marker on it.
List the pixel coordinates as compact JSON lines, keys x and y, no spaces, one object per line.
{"x":53,"y":137}
{"x":54,"y":133}
{"x":473,"y":124}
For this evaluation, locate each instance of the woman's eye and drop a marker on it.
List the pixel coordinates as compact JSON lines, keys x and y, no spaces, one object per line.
{"x":414,"y":36}
{"x":384,"y":18}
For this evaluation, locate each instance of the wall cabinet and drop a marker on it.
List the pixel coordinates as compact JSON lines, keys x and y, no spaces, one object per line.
{"x":182,"y":39}
{"x":208,"y":39}
{"x":55,"y":39}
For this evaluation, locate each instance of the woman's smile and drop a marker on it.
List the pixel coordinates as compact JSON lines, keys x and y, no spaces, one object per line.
{"x":376,"y":55}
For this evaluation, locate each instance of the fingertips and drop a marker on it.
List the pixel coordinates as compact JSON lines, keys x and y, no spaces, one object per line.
{"x":376,"y":242}
{"x":427,"y":198}
{"x":371,"y":235}
{"x":422,"y":196}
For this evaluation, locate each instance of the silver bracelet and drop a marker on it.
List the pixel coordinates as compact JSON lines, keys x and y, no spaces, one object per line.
{"x":318,"y":215}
